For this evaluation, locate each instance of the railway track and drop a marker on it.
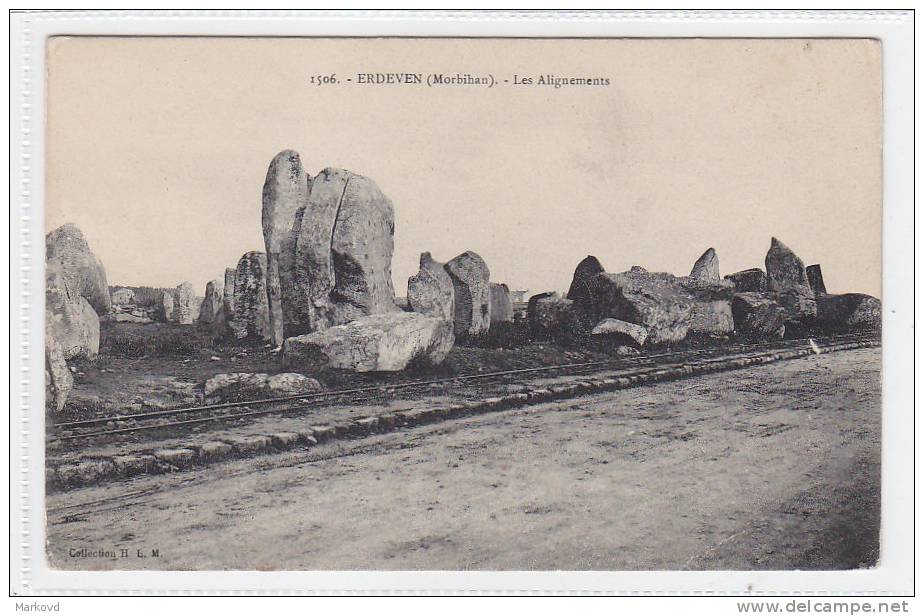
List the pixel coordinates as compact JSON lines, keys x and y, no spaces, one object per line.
{"x":133,"y":424}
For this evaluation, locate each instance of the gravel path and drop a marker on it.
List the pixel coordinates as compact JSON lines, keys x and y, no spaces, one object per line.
{"x":764,"y":468}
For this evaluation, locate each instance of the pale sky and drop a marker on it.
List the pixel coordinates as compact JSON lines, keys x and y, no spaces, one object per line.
{"x":158,"y":148}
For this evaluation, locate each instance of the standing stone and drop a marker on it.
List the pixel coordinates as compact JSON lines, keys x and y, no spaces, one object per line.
{"x":375,"y":343}
{"x":185,"y":304}
{"x":585,"y":271}
{"x":430,"y":290}
{"x":706,"y":267}
{"x":361,"y":249}
{"x":313,"y":262}
{"x":285,"y":192}
{"x":211,"y":304}
{"x":58,"y":378}
{"x":71,"y":322}
{"x":345,"y":241}
{"x":501,"y":306}
{"x":227,"y":299}
{"x":752,"y":280}
{"x":470,"y":276}
{"x":251,"y":308}
{"x":167,"y":303}
{"x":815,"y":279}
{"x":84,"y":275}
{"x":784,"y":269}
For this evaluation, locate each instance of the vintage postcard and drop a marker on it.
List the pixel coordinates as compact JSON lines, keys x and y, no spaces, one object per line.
{"x":462,"y":304}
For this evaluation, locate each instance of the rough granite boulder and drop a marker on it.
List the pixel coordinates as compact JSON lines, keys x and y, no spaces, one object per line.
{"x":251,"y":308}
{"x":122,"y":297}
{"x":706,"y":267}
{"x":210,"y":308}
{"x":784,"y":269}
{"x":849,"y":312}
{"x":380,"y":342}
{"x":815,"y":279}
{"x":470,"y":277}
{"x":752,"y":280}
{"x":757,"y":316}
{"x":285,"y":192}
{"x":166,"y":303}
{"x":654,"y":301}
{"x":248,"y":386}
{"x":578,"y":291}
{"x":343,"y":249}
{"x":501,"y":306}
{"x":430,"y":291}
{"x":58,"y":378}
{"x":621,"y":332}
{"x":185,"y":304}
{"x":71,"y":322}
{"x":66,"y":248}
{"x":549,"y":314}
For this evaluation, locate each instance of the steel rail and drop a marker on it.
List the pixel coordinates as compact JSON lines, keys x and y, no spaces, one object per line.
{"x":410,"y":384}
{"x":296,"y":408}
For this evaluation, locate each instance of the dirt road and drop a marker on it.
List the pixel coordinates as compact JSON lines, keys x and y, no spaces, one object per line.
{"x":764,"y":468}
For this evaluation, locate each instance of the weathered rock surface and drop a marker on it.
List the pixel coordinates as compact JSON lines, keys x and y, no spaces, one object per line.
{"x":227,"y":296}
{"x":122,"y":297}
{"x":251,"y":307}
{"x":849,"y":312}
{"x":381,"y":342}
{"x":752,"y":280}
{"x":501,"y":306}
{"x":126,"y":317}
{"x":815,"y":279}
{"x":71,"y":322}
{"x":623,"y":333}
{"x":799,"y":303}
{"x":784,"y":269}
{"x":588,"y":268}
{"x":343,"y":250}
{"x":706,"y":267}
{"x":250,"y":386}
{"x":181,"y":304}
{"x":285,"y":192}
{"x":549,"y":314}
{"x":58,"y":378}
{"x":757,"y":316}
{"x":654,"y":301}
{"x":210,"y":308}
{"x":166,"y":302}
{"x":83,"y":274}
{"x":430,"y":291}
{"x":470,"y":276}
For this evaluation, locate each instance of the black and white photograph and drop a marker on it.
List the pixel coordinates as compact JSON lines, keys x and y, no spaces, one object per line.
{"x":461,"y":304}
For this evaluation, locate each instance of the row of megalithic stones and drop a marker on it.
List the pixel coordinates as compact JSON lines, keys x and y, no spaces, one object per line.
{"x":323,"y":291}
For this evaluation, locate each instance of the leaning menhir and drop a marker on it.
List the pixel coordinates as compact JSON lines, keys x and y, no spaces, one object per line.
{"x":787,"y":279}
{"x":430,"y":291}
{"x":470,"y":279}
{"x":330,"y":241}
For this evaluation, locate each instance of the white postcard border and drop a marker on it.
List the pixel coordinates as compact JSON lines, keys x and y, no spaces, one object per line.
{"x":30,"y":574}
